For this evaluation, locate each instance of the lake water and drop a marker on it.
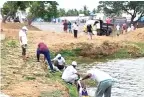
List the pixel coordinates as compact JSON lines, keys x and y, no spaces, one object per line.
{"x":128,"y":75}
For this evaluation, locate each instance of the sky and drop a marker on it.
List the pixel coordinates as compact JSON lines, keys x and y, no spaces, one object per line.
{"x":70,"y":4}
{"x":78,"y":4}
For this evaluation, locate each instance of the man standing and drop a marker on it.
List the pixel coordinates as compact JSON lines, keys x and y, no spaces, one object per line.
{"x":89,"y":30}
{"x":104,"y":80}
{"x":69,"y":26}
{"x":23,"y":40}
{"x":101,"y":26}
{"x":43,"y":49}
{"x":118,"y":30}
{"x":65,"y":26}
{"x":124,"y":28}
{"x":59,"y":62}
{"x":75,"y":28}
{"x":70,"y":74}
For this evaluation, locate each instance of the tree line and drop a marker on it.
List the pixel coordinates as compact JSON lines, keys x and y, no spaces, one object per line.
{"x":49,"y":9}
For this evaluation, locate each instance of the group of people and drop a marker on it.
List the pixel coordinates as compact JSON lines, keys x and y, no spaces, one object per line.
{"x":124,"y":29}
{"x":74,"y":28}
{"x":69,"y":73}
{"x":71,"y":27}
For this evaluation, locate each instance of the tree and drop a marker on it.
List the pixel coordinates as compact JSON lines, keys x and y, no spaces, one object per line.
{"x":81,"y":12}
{"x":61,"y":12}
{"x":44,"y":9}
{"x":72,"y":12}
{"x":115,"y":8}
{"x":86,"y":11}
{"x":11,"y":7}
{"x":94,"y":11}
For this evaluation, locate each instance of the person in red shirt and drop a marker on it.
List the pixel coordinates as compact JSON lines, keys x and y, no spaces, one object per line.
{"x":65,"y":26}
{"x":43,"y":49}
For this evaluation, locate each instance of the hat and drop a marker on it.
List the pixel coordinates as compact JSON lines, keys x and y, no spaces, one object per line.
{"x":74,"y":63}
{"x":59,"y":55}
{"x":24,"y":28}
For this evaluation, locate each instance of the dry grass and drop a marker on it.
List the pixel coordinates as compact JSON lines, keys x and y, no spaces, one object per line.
{"x":10,"y":25}
{"x":28,"y":79}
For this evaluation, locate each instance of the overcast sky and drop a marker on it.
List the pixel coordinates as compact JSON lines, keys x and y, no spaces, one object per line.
{"x":71,"y":4}
{"x":78,"y":4}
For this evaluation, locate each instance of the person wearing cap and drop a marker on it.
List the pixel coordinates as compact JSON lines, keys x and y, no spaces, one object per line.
{"x":43,"y":49}
{"x":23,"y":40}
{"x":70,"y":74}
{"x":132,"y":27}
{"x":59,"y":62}
{"x":104,"y":80}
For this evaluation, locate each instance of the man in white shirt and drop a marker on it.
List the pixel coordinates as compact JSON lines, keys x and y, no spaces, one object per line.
{"x":70,"y":74}
{"x":23,"y":40}
{"x":75,"y":29}
{"x":59,"y":62}
{"x":118,"y":29}
{"x":104,"y":80}
{"x":132,"y":27}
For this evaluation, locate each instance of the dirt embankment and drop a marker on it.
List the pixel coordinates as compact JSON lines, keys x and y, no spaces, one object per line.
{"x":135,"y":36}
{"x":15,"y":71}
{"x":100,"y":45}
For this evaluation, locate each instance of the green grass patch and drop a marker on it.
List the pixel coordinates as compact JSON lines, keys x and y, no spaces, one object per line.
{"x":12,"y":43}
{"x":72,"y":90}
{"x":57,"y":77}
{"x":30,"y":78}
{"x":122,"y":53}
{"x":56,"y":93}
{"x":141,"y":45}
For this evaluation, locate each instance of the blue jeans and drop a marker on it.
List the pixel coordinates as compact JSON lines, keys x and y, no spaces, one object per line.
{"x":104,"y":88}
{"x":46,"y":55}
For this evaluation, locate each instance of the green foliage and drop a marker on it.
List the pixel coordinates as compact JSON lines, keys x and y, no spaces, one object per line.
{"x":115,"y":8}
{"x":43,"y":9}
{"x":57,"y":77}
{"x":11,"y":7}
{"x":30,"y":78}
{"x":141,"y":45}
{"x":122,"y":53}
{"x":94,"y":11}
{"x":72,"y":90}
{"x":12,"y":43}
{"x":67,"y":53}
{"x":56,"y":93}
{"x":70,"y":53}
{"x":86,"y":11}
{"x":61,"y":12}
{"x":74,"y":12}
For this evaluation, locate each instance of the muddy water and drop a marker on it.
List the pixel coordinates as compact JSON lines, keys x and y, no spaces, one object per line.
{"x":128,"y":74}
